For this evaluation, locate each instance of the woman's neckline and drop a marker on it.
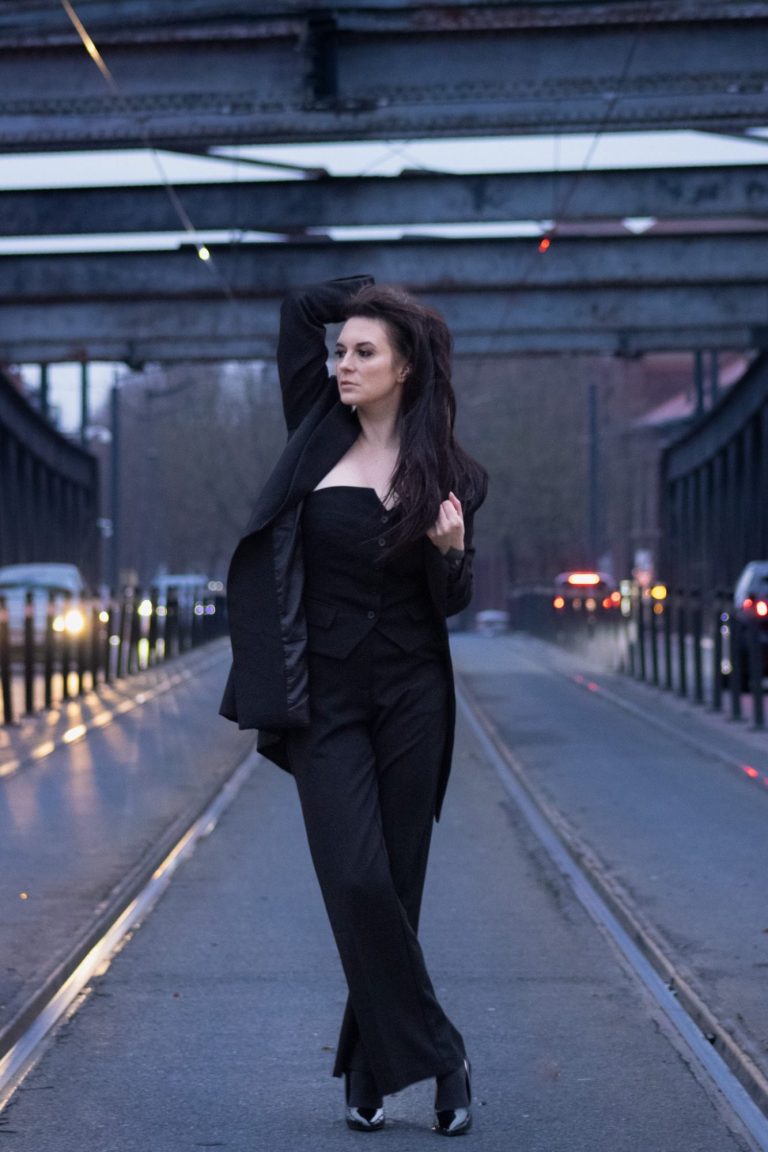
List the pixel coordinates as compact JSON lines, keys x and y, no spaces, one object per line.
{"x":353,"y":488}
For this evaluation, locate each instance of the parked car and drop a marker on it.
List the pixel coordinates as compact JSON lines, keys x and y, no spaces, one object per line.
{"x":750,"y":610}
{"x":190,"y":588}
{"x":492,"y":621}
{"x":63,"y":581}
{"x":195,"y":594}
{"x":584,"y":590}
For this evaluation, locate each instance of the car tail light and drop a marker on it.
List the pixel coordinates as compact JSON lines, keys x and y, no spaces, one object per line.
{"x":584,"y":579}
{"x":761,"y":608}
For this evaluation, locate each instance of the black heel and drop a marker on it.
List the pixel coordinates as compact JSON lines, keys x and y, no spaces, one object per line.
{"x":368,"y":1114}
{"x":456,"y":1120}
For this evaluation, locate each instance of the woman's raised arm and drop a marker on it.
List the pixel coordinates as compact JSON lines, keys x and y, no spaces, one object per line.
{"x":301,"y":352}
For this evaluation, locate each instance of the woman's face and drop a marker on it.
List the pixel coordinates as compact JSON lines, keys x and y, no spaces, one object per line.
{"x":368,"y":369}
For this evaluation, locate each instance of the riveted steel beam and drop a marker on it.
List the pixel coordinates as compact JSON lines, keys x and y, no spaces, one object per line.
{"x":169,"y":18}
{"x":290,"y":206}
{"x":138,"y":350}
{"x":368,"y":72}
{"x":625,"y":321}
{"x":575,"y":263}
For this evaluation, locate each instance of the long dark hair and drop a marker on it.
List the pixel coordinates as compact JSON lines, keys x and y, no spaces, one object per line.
{"x":431,"y":463}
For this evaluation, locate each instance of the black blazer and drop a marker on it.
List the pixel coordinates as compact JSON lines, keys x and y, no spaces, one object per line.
{"x":267,"y":686}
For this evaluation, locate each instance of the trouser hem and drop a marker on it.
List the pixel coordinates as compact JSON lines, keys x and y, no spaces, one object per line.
{"x":399,"y":1083}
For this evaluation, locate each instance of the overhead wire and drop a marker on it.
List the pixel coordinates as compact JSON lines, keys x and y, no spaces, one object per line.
{"x":182,"y":215}
{"x":610,"y":106}
{"x":545,"y":243}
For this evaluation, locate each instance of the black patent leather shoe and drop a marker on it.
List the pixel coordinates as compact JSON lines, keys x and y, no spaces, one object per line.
{"x":368,"y":1117}
{"x":457,"y":1120}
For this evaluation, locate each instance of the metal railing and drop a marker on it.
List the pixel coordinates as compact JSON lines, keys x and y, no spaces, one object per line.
{"x":678,"y":640}
{"x":58,"y":651}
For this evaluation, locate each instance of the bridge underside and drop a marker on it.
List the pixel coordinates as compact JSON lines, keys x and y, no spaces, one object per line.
{"x":199,"y":74}
{"x":217,"y":72}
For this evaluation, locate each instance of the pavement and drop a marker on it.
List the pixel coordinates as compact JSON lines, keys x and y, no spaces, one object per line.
{"x":215,"y":1025}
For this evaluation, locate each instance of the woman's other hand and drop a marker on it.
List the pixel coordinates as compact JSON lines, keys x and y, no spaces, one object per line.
{"x":448,"y":530}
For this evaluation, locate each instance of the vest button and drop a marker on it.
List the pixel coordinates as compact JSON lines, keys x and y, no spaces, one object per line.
{"x":382,"y":542}
{"x":384,"y":519}
{"x":371,"y":615}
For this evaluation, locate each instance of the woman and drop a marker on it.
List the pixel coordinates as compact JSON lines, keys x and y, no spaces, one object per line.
{"x":357,"y":550}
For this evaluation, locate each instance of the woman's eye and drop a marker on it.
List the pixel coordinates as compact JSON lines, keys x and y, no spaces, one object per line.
{"x":365,"y":352}
{"x":338,"y":353}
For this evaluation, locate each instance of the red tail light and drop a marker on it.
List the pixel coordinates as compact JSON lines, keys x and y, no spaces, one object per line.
{"x":761,"y":608}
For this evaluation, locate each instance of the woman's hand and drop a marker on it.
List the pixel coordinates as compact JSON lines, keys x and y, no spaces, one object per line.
{"x":448,"y":530}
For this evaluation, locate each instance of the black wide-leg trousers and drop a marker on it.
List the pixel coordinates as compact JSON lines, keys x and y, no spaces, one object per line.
{"x":367,"y":771}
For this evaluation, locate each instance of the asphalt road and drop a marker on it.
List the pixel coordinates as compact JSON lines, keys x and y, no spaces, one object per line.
{"x":215,"y":1025}
{"x":673,"y":801}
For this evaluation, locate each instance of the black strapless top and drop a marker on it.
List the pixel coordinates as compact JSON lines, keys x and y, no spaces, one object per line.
{"x":351,"y":584}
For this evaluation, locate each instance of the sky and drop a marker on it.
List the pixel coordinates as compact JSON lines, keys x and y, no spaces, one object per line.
{"x":380,"y":158}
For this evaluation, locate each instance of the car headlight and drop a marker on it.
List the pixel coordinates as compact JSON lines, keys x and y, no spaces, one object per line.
{"x":74,"y":622}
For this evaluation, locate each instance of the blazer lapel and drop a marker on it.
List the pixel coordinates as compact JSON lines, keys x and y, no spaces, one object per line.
{"x":332,"y":437}
{"x":309,"y":454}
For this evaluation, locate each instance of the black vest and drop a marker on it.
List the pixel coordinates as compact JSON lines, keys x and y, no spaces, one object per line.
{"x":352,"y":584}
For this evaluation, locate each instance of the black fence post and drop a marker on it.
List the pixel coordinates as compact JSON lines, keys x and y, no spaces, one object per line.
{"x":5,"y":664}
{"x":152,"y":654}
{"x":66,"y":653}
{"x":641,"y":658}
{"x":755,"y":673}
{"x":172,"y":640}
{"x":717,"y":656}
{"x":669,"y":679}
{"x":94,"y":652}
{"x":653,"y":634}
{"x":682,"y":641}
{"x":110,"y":616}
{"x":134,"y":631}
{"x":122,"y":624}
{"x":194,"y":622}
{"x":29,"y":652}
{"x":82,"y":651}
{"x":736,"y":674}
{"x":631,"y":634}
{"x":696,"y":639}
{"x":48,"y":654}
